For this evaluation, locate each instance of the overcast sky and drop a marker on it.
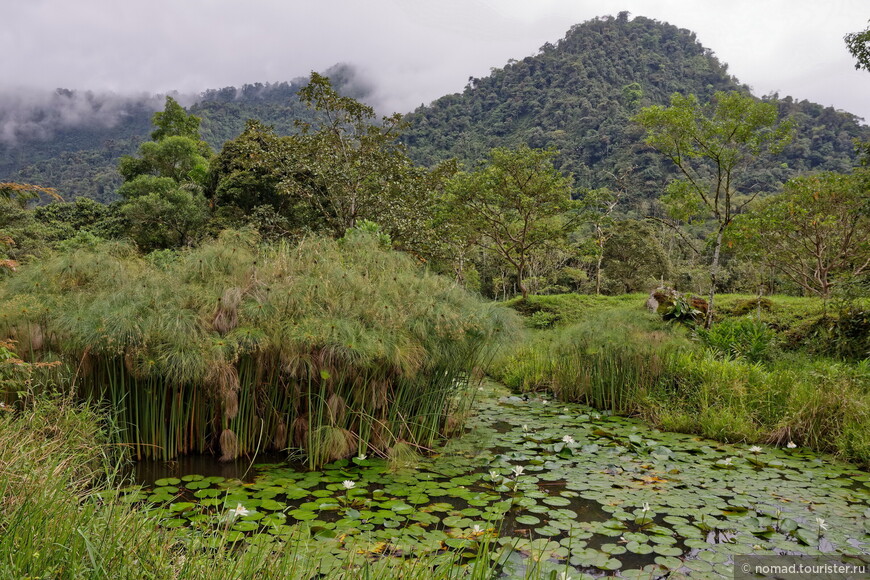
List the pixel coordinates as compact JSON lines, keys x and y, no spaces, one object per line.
{"x":413,"y":50}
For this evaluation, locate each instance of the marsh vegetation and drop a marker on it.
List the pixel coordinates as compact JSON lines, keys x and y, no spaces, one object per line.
{"x":449,"y":368}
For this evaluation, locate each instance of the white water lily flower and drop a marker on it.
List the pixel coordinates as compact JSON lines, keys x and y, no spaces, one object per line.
{"x":791,"y":445}
{"x":476,"y":529}
{"x":822,"y":524}
{"x":361,"y":456}
{"x":755,"y":449}
{"x":727,"y":460}
{"x":645,"y":507}
{"x":566,"y":410}
{"x":348,"y":484}
{"x":564,"y":576}
{"x":568,"y":439}
{"x":545,"y":402}
{"x":494,"y":474}
{"x":596,"y":416}
{"x":518,"y":470}
{"x":239,"y":511}
{"x":525,"y":427}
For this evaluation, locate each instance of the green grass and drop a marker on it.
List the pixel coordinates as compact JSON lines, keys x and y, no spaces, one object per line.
{"x":565,"y":309}
{"x":745,"y":380}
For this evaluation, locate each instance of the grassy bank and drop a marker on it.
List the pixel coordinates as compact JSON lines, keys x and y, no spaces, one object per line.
{"x":755,"y":377}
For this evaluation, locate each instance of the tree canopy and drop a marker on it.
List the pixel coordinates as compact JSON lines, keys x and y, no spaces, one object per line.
{"x":163,"y":186}
{"x":858,"y":44}
{"x":713,"y":145}
{"x":815,"y":232}
{"x":517,"y":202}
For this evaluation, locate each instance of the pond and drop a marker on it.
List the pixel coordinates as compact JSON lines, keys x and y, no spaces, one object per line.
{"x":536,"y":486}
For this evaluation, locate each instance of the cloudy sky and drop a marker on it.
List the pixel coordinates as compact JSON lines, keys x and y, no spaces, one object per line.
{"x":413,"y":50}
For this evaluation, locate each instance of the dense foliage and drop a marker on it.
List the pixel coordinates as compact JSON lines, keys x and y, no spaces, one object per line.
{"x":578,"y":95}
{"x":575,"y":96}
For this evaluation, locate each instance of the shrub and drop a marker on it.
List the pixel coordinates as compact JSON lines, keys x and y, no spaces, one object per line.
{"x":609,"y":360}
{"x":542,"y":319}
{"x":744,"y":338}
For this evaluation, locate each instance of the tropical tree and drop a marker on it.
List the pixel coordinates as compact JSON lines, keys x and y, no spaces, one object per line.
{"x":816,"y":232}
{"x":712,"y":145}
{"x":517,"y":203}
{"x":343,"y":167}
{"x":858,"y":44}
{"x":20,"y":234}
{"x":350,"y":166}
{"x":174,"y":121}
{"x":163,"y":186}
{"x":597,"y":206}
{"x":633,"y":257}
{"x":169,"y":218}
{"x":253,"y":177}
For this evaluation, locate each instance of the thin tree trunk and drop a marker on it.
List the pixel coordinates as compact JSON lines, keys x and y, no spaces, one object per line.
{"x":598,"y":274}
{"x":523,"y":289}
{"x":714,"y":271}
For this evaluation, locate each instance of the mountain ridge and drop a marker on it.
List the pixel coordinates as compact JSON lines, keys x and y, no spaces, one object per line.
{"x":576,"y":95}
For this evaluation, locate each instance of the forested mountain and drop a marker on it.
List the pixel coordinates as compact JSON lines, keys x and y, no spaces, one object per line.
{"x":82,"y":159}
{"x":577,"y":95}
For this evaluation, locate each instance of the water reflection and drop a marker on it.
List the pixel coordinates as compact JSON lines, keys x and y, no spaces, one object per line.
{"x":147,"y":472}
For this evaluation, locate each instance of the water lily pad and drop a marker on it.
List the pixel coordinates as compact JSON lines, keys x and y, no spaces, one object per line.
{"x":302,"y":514}
{"x":245,"y":526}
{"x":557,"y":501}
{"x":638,"y":548}
{"x":665,"y":550}
{"x":166,"y":490}
{"x":273,"y":519}
{"x":167,"y":481}
{"x":613,"y":549}
{"x":272,"y":505}
{"x":181,"y":506}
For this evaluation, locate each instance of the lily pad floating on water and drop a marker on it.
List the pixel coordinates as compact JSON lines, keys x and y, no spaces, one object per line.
{"x":698,"y":512}
{"x":167,"y":481}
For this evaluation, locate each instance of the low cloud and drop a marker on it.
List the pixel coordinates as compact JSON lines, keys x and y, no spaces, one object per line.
{"x":38,"y":115}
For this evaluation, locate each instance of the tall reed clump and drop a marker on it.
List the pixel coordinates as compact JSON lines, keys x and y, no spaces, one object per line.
{"x":613,"y":359}
{"x":609,"y":360}
{"x":817,"y":403}
{"x":336,"y":348}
